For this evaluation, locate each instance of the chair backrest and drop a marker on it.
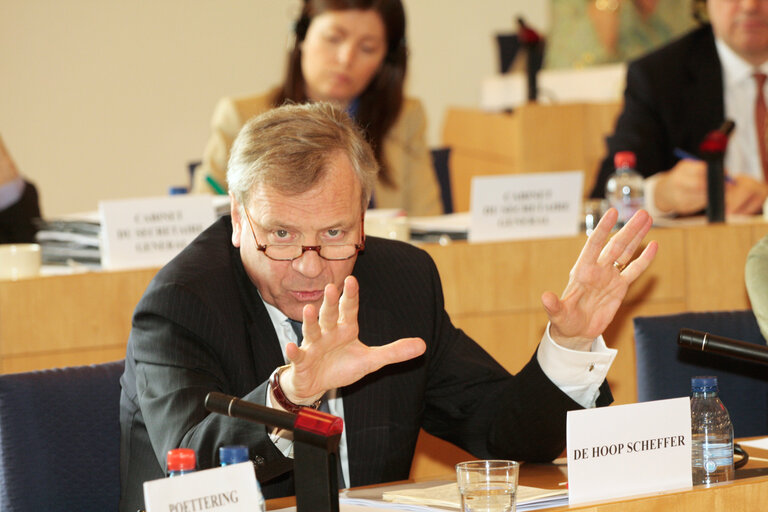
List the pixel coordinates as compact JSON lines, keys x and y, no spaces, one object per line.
{"x":664,"y":369}
{"x":441,"y":163}
{"x":60,"y":439}
{"x":508,"y":46}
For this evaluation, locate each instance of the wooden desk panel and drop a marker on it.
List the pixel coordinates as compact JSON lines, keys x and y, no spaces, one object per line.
{"x":533,"y":138}
{"x":70,"y":319}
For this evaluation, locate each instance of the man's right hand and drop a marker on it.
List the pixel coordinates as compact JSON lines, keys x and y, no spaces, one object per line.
{"x":682,"y":189}
{"x":331,"y":355}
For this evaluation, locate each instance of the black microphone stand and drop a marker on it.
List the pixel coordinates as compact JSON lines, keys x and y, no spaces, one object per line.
{"x":316,"y":438}
{"x":712,"y":151}
{"x":534,"y":58}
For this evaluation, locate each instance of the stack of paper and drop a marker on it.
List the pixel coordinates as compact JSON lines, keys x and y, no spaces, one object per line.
{"x":73,"y":239}
{"x":415,"y":497}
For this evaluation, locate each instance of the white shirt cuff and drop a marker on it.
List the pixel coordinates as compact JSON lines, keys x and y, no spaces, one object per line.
{"x":283,"y":439}
{"x":577,"y":373}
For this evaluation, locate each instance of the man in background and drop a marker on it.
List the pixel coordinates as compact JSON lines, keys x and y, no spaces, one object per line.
{"x":19,"y":204}
{"x":679,"y":93}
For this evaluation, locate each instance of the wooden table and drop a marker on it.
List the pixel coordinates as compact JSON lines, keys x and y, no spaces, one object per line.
{"x":748,"y":493}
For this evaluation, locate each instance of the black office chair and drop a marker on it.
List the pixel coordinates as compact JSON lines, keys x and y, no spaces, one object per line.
{"x":664,"y":369}
{"x":440,"y":162}
{"x":508,"y":45}
{"x":60,"y":439}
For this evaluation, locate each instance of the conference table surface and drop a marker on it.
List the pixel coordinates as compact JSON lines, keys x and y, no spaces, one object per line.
{"x":749,"y":491}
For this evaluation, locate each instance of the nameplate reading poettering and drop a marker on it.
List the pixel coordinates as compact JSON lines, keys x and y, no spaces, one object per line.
{"x":628,"y":449}
{"x":519,"y":206}
{"x":149,"y":232}
{"x":228,"y":488}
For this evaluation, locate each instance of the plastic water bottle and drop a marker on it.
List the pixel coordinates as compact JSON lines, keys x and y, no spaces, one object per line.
{"x":180,"y":461}
{"x":712,"y":433}
{"x":624,"y":189}
{"x":234,"y":454}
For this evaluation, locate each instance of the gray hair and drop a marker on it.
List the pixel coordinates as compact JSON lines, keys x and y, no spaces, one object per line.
{"x":289,"y":148}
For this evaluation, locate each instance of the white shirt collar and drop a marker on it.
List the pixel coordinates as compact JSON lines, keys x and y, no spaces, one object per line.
{"x":736,"y":70}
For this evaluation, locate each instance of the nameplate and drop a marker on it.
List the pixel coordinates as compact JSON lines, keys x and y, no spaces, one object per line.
{"x":626,"y":450}
{"x":227,"y":488}
{"x":149,"y":232}
{"x":520,"y":206}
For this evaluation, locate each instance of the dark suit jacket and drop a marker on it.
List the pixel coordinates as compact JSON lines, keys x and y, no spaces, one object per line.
{"x":202,"y":327}
{"x":17,"y":221}
{"x":674,"y":97}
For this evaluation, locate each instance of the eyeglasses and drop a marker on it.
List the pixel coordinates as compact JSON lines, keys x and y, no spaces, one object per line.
{"x":290,"y":252}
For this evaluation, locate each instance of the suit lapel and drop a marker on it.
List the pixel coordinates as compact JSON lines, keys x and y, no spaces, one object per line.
{"x":359,"y":416}
{"x":265,"y":348}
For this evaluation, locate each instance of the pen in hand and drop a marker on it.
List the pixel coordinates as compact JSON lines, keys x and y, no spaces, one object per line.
{"x":684,"y":155}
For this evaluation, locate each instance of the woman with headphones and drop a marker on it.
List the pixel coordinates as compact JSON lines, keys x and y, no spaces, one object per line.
{"x":351,"y":53}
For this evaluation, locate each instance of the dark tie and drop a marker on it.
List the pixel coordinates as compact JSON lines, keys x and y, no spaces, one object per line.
{"x":760,"y":119}
{"x":296,"y":326}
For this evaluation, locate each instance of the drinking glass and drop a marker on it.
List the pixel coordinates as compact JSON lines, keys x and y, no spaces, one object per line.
{"x":487,"y":485}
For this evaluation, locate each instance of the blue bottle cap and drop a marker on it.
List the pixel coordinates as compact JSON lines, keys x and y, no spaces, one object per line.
{"x":705,"y":384}
{"x":233,"y":454}
{"x":174,"y":191}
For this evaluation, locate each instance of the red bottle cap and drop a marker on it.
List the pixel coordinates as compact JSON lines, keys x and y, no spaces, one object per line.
{"x":624,"y":159}
{"x":180,"y":459}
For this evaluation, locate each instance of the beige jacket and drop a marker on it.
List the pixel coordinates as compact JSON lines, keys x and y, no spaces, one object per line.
{"x":405,"y":150}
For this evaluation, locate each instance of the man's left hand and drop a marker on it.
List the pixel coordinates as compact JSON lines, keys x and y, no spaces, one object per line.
{"x":599,"y":281}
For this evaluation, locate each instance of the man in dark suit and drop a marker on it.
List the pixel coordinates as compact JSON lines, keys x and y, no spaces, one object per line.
{"x":378,"y":346}
{"x":678,"y":94}
{"x":19,"y":204}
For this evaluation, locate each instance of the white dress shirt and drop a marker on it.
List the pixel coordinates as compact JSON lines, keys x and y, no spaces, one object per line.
{"x":577,"y":373}
{"x":740,"y":92}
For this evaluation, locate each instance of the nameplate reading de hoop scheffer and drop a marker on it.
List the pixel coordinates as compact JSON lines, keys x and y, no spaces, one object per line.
{"x":224,"y":489}
{"x":149,"y":232}
{"x":521,"y":206}
{"x":626,"y":450}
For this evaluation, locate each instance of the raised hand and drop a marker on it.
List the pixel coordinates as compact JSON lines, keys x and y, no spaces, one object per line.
{"x":331,"y":354}
{"x":599,"y":281}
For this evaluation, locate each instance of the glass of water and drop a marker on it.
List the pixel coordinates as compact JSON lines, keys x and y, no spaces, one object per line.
{"x":487,"y":485}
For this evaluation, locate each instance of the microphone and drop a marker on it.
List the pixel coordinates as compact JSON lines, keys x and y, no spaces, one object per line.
{"x":534,"y":46}
{"x":712,"y":150}
{"x":705,"y":342}
{"x":316,"y":437}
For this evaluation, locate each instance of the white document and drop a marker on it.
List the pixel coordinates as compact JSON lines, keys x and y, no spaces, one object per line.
{"x":629,"y":449}
{"x":224,"y":489}
{"x":149,"y":232}
{"x":520,"y":206}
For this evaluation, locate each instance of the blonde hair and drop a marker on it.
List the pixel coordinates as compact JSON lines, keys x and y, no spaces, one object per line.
{"x":289,"y":148}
